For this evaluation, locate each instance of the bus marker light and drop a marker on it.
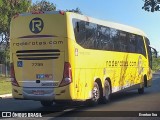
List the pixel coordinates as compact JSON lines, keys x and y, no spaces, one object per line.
{"x":76,"y":52}
{"x":61,"y":12}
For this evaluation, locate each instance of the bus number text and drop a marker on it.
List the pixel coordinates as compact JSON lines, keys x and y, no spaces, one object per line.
{"x":37,"y":64}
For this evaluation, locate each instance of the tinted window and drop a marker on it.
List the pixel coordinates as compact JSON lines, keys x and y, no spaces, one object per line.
{"x":104,"y":41}
{"x":92,"y":36}
{"x":123,"y":41}
{"x":80,"y":32}
{"x":149,"y":52}
{"x":114,"y":35}
{"x":140,"y":48}
{"x":132,"y":43}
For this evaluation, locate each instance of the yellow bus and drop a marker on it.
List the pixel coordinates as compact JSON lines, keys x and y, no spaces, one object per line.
{"x":61,"y":56}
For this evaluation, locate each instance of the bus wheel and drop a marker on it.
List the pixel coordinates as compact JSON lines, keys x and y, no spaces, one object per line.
{"x":141,"y":90}
{"x":95,"y":95}
{"x":46,"y":103}
{"x":107,"y":92}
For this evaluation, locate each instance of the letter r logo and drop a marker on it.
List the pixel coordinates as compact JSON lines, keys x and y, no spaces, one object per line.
{"x":36,"y":25}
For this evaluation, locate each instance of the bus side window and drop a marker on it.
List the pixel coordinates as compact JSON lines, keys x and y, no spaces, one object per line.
{"x":79,"y":31}
{"x":114,"y":40}
{"x":123,"y":41}
{"x":77,"y":26}
{"x":132,"y":43}
{"x":105,"y":38}
{"x":99,"y":42}
{"x":140,"y":48}
{"x":90,"y":35}
{"x":149,"y":52}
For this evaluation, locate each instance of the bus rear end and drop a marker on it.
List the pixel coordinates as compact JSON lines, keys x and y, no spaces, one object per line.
{"x":40,"y":69}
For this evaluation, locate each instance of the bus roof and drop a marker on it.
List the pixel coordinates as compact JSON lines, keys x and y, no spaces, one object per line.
{"x":108,"y":24}
{"x":94,"y":20}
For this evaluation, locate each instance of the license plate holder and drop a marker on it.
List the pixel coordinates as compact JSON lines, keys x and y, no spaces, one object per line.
{"x":38,"y":92}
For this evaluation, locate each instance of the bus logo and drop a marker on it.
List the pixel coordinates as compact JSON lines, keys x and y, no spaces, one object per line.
{"x":36,"y":25}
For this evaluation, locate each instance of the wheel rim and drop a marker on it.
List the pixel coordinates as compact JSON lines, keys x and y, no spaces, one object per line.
{"x":95,"y":93}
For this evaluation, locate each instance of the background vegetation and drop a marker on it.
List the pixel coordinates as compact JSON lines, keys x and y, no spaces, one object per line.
{"x":156,"y":64}
{"x":5,"y":85}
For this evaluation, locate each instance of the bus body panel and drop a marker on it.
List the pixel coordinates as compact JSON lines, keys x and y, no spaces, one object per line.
{"x":124,"y":70}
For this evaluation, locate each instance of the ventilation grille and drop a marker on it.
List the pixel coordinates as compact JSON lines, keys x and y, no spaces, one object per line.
{"x":38,"y":54}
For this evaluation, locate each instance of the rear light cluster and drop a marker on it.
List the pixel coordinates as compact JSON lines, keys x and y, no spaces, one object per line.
{"x":67,"y":75}
{"x":13,"y":79}
{"x":15,"y":16}
{"x":61,"y":12}
{"x":38,"y":12}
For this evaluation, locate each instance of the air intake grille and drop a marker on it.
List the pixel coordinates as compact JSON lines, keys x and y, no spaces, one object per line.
{"x":38,"y":54}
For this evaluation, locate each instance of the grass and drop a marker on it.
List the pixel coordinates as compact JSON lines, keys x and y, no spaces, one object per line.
{"x":5,"y":85}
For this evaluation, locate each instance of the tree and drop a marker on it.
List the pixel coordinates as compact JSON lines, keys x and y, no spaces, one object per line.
{"x":151,"y":5}
{"x":8,"y":9}
{"x":155,"y":64}
{"x":43,"y":6}
{"x":77,"y":10}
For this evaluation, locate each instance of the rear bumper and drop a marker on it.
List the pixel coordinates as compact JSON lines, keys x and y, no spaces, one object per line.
{"x":42,"y":93}
{"x":38,"y":94}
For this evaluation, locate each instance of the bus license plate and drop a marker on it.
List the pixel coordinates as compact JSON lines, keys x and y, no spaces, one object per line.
{"x":38,"y":92}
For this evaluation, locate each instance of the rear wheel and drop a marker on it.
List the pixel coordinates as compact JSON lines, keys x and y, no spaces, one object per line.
{"x":107,"y":92}
{"x":141,"y":90}
{"x":46,"y":103}
{"x":95,"y":95}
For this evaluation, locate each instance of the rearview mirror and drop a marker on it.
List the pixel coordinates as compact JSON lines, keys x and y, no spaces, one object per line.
{"x":155,"y":53}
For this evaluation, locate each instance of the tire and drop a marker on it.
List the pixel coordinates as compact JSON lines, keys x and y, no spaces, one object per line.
{"x":141,"y":90}
{"x":46,"y":103}
{"x":95,"y":95}
{"x":106,"y":93}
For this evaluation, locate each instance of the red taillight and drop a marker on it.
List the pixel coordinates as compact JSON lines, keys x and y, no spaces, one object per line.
{"x":15,"y":16}
{"x":67,"y":75}
{"x":13,"y":79}
{"x":61,"y":12}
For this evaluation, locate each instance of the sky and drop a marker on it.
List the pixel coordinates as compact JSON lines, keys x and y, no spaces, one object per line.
{"x":128,"y":12}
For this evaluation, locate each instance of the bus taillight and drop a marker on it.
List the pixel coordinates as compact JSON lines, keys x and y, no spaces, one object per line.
{"x":67,"y":74}
{"x":13,"y":79}
{"x":61,"y":12}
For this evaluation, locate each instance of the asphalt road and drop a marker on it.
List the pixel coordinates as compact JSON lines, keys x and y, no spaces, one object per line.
{"x":124,"y":105}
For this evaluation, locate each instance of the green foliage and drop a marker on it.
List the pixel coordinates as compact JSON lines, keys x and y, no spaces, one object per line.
{"x":5,"y":58}
{"x":9,"y":8}
{"x":77,"y":10}
{"x":43,"y":6}
{"x":156,"y":63}
{"x":0,"y":2}
{"x":5,"y":85}
{"x":151,"y":5}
